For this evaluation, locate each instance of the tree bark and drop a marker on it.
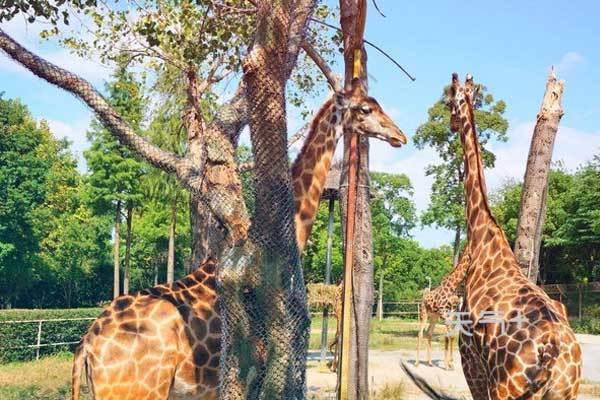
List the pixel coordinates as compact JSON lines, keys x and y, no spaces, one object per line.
{"x":217,"y":183}
{"x":171,"y":250}
{"x":457,"y":244}
{"x":128,"y":236}
{"x":353,"y":17}
{"x":532,"y":211}
{"x":261,"y":292}
{"x":116,"y":255}
{"x":380,"y":297}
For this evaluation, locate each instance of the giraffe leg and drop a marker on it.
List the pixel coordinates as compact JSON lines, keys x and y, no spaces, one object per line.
{"x":473,"y":369}
{"x":422,"y":323}
{"x":448,"y":347}
{"x":432,"y":323}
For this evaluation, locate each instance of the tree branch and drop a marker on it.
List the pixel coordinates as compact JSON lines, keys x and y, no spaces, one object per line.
{"x":332,"y":78}
{"x":193,"y":178}
{"x":79,"y":87}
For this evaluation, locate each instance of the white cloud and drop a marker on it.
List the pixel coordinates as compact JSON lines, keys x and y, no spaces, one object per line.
{"x":75,"y":132}
{"x":28,"y":36}
{"x":572,"y":148}
{"x":569,"y":62}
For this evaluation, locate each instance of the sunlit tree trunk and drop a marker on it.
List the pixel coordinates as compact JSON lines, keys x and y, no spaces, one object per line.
{"x":128,"y":236}
{"x":171,"y":250}
{"x":116,"y":249}
{"x":532,"y":211}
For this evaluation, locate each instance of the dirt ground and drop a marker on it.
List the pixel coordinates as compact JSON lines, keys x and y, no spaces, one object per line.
{"x":384,"y":368}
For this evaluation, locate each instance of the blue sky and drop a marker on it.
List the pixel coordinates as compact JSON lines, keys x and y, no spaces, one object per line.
{"x":508,"y":46}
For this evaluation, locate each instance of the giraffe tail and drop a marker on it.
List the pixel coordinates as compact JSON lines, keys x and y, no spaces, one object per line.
{"x":425,"y":386}
{"x":547,"y":355}
{"x":79,"y":362}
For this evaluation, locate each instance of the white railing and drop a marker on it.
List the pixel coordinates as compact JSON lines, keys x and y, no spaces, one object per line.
{"x":38,"y":343}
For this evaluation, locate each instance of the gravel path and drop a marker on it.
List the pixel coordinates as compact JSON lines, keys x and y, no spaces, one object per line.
{"x":384,"y":368}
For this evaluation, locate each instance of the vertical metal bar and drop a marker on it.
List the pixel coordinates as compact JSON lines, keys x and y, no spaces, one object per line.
{"x":39,"y":339}
{"x":327,"y":278}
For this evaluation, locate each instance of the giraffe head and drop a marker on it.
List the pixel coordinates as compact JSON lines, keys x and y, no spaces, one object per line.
{"x":459,"y":96}
{"x":365,"y":116}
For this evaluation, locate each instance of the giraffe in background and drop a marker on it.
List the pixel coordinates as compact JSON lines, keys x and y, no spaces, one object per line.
{"x":517,"y":343}
{"x":440,"y":303}
{"x":165,"y":342}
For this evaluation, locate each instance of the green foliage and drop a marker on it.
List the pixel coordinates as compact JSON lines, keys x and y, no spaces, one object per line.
{"x":114,"y":172}
{"x":446,"y":207}
{"x":405,"y":264}
{"x":45,"y":226}
{"x":570,"y":235}
{"x":590,"y":326}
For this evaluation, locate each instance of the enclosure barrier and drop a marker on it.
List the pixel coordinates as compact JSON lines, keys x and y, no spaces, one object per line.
{"x":38,"y":341}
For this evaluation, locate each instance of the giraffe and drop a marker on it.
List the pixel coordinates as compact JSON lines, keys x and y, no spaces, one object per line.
{"x":517,"y":343}
{"x":440,"y":303}
{"x":333,"y":346}
{"x":164,"y":342}
{"x":314,"y":160}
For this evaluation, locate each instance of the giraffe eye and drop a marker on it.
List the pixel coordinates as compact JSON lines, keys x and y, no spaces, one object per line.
{"x":366,"y":110}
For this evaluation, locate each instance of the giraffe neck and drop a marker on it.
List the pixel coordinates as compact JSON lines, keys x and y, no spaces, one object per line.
{"x":478,"y":212}
{"x":311,"y":167}
{"x":457,"y":275}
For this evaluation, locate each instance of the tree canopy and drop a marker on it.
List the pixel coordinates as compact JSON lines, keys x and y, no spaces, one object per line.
{"x":446,"y":207}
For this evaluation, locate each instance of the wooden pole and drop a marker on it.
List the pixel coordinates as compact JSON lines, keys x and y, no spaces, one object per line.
{"x":358,"y":276}
{"x":349,"y":253}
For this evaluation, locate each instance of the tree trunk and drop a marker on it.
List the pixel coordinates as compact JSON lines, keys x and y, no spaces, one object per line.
{"x":127,"y":250}
{"x":457,"y":244}
{"x":380,"y":297}
{"x":353,"y":16}
{"x":532,"y":211}
{"x":116,"y":255}
{"x":171,"y":251}
{"x":262,"y":298}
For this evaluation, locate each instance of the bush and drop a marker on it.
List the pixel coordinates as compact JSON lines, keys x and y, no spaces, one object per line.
{"x":586,"y":325}
{"x":15,"y":335}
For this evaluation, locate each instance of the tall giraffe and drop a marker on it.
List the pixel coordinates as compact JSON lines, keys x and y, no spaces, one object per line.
{"x":310,"y":169}
{"x":165,"y":342}
{"x":517,"y":343}
{"x":440,"y":303}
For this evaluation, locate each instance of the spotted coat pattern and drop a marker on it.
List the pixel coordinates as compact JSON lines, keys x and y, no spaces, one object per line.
{"x":536,"y":358}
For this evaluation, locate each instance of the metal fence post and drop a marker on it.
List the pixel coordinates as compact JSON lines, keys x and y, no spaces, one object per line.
{"x":39,"y":339}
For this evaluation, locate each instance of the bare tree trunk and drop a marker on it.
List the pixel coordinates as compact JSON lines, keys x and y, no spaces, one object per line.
{"x":380,"y":297}
{"x":535,"y":186}
{"x":127,"y":250}
{"x":457,"y":244}
{"x":116,"y":255}
{"x":171,"y":250}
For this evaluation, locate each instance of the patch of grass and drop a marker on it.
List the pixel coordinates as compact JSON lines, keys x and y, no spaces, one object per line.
{"x":390,"y":391}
